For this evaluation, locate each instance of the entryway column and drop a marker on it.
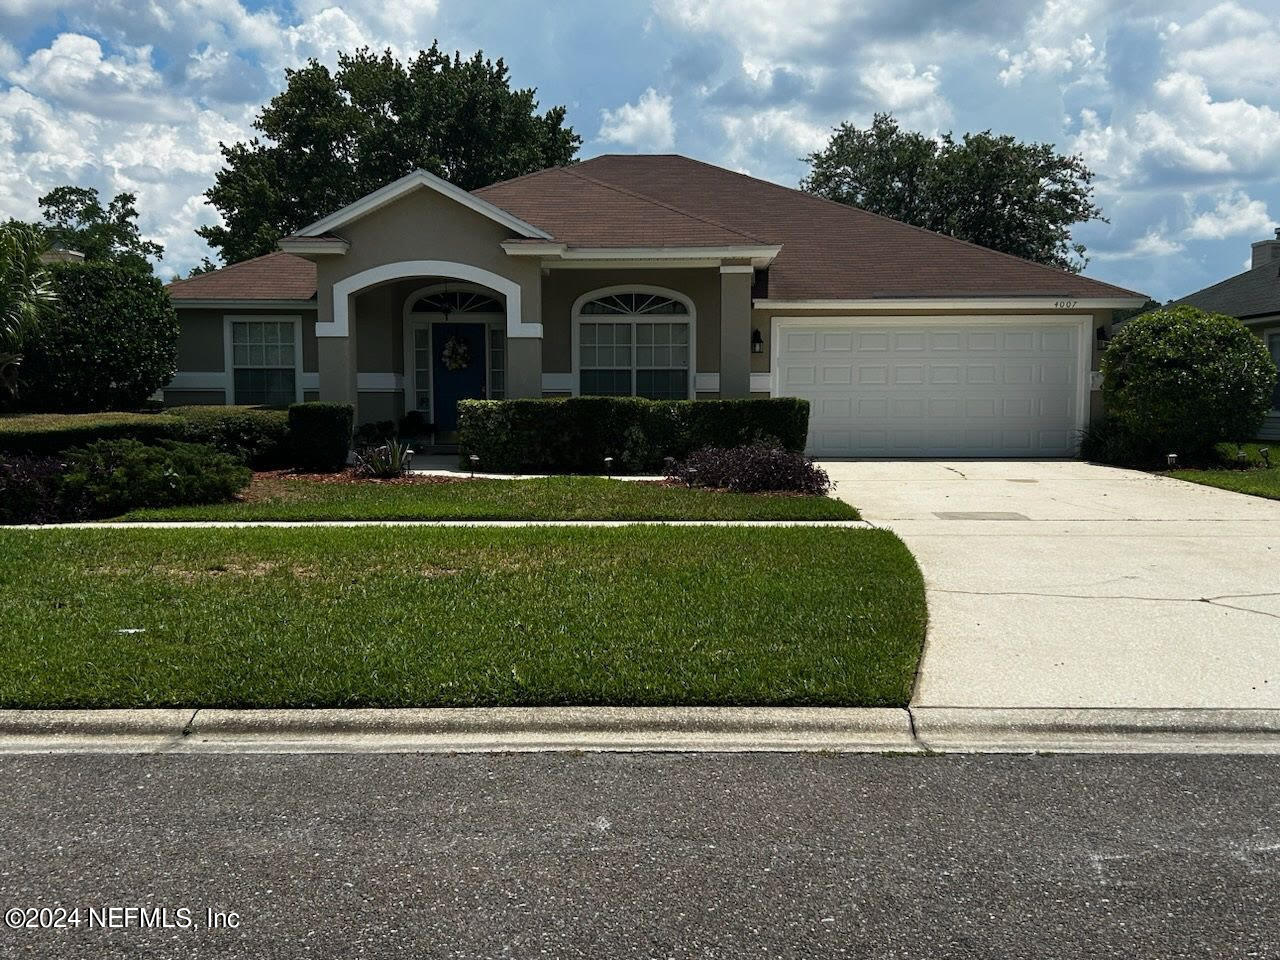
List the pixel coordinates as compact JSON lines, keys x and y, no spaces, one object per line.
{"x":524,"y":367}
{"x":735,"y":330}
{"x":336,"y":361}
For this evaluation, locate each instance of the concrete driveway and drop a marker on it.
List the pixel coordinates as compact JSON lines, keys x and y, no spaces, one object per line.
{"x":1062,"y":584}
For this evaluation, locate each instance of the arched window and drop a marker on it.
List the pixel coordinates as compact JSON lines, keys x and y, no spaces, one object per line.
{"x":634,"y":342}
{"x":458,"y":301}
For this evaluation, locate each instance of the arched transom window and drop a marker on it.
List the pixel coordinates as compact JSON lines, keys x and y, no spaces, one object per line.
{"x":635,"y":343}
{"x":458,"y":301}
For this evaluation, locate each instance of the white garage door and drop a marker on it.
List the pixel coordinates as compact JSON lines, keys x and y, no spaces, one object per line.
{"x":928,"y":389}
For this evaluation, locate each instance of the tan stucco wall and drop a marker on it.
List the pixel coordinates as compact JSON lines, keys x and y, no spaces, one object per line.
{"x":560,"y":288}
{"x":422,"y":225}
{"x":201,"y":332}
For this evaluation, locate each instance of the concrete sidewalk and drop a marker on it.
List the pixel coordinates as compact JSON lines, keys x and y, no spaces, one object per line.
{"x":1060,"y":584}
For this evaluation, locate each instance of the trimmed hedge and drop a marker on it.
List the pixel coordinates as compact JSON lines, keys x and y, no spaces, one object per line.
{"x":575,"y":434}
{"x":50,"y":434}
{"x":258,"y":436}
{"x":115,"y":476}
{"x":320,"y":435}
{"x":30,"y":491}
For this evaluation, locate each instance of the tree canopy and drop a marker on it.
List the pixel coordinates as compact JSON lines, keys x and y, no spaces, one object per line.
{"x":993,"y":190}
{"x":26,"y":295}
{"x":330,"y":137}
{"x":75,"y":219}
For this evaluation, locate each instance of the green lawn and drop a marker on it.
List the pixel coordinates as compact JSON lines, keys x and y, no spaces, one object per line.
{"x":457,"y":617}
{"x":1256,"y":481}
{"x":275,"y":496}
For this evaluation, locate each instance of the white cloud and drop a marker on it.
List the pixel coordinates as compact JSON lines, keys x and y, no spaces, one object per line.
{"x":913,"y":96}
{"x":753,"y":138}
{"x":646,"y":124}
{"x":1182,"y":134}
{"x":1154,"y":243}
{"x":1235,"y":214}
{"x":1057,"y":43}
{"x":1227,"y":45}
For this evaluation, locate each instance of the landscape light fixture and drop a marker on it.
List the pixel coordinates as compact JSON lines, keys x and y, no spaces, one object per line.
{"x":474,"y":460}
{"x":608,"y":466}
{"x":1172,"y":460}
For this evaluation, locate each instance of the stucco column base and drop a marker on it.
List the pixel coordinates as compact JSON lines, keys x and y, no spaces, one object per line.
{"x":524,"y":367}
{"x":735,"y":331}
{"x":336,"y":360}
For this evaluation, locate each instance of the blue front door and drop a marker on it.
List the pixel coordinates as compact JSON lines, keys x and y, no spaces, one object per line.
{"x":457,"y":372}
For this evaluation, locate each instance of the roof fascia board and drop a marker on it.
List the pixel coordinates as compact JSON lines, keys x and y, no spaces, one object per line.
{"x":213,"y":303}
{"x":958,"y":303}
{"x":758,"y":254}
{"x":412,"y":181}
{"x":314,"y":245}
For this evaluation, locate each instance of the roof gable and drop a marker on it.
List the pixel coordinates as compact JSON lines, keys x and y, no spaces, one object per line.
{"x":418,"y":180}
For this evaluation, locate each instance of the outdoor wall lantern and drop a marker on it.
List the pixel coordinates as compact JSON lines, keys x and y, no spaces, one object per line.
{"x":757,"y":342}
{"x":1103,"y":336}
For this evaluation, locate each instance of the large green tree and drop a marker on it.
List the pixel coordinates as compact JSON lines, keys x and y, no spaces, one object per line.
{"x":75,"y":219}
{"x":996,"y":191}
{"x":331,"y":137}
{"x":26,"y":295}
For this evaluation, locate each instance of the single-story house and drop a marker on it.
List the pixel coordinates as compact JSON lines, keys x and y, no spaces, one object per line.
{"x":656,"y":276}
{"x":1253,"y":297}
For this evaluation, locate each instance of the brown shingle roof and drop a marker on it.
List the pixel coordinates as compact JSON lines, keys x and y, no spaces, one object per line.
{"x":583,"y":212}
{"x":273,"y":276}
{"x":829,"y":250}
{"x":1254,"y":293}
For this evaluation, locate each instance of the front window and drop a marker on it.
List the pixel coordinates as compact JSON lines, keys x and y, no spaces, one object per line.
{"x":635,"y":344}
{"x":264,"y":362}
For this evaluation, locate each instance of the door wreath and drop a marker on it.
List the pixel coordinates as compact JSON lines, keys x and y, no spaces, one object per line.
{"x":456,"y":355}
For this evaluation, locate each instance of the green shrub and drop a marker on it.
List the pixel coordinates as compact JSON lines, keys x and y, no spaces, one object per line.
{"x":110,"y":341}
{"x":258,"y":436}
{"x":115,"y":476}
{"x":320,"y":435}
{"x":50,"y":434}
{"x":1183,"y":380}
{"x":576,"y":434}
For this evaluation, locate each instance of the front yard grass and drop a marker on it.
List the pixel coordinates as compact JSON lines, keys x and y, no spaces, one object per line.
{"x":341,"y":617}
{"x":283,"y":496}
{"x":1257,"y":480}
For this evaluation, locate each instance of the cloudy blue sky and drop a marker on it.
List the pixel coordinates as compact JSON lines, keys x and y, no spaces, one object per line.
{"x":1176,"y":105}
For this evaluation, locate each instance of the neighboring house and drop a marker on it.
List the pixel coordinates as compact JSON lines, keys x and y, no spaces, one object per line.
{"x":1253,"y":297}
{"x":658,"y":276}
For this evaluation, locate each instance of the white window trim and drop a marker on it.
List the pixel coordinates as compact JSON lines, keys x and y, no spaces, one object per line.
{"x":578,"y":320}
{"x":1084,"y":341}
{"x":416,"y":320}
{"x":228,"y":319}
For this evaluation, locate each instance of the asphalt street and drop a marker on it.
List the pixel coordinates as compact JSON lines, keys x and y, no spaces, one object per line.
{"x":613,"y":855}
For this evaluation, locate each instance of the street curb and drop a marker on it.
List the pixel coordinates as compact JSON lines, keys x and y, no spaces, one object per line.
{"x":489,"y":729}
{"x":654,"y":729}
{"x":441,"y":524}
{"x":1097,"y":729}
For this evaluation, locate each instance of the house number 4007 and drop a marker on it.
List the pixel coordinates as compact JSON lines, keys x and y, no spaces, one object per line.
{"x":1065,"y":304}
